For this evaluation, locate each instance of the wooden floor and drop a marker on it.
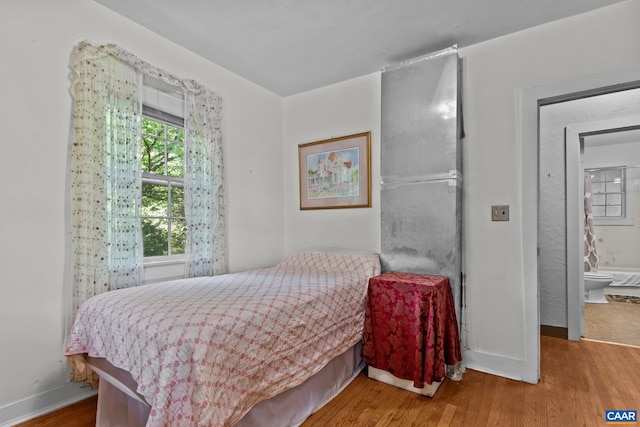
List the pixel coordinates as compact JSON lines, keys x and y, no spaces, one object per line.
{"x":81,"y":414}
{"x":579,"y":381}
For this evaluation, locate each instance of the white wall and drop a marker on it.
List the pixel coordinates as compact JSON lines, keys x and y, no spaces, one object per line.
{"x":495,"y":74}
{"x":36,"y":40}
{"x":619,"y":245}
{"x":342,"y":109}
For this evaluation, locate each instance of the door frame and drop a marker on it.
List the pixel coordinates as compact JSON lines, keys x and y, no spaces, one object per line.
{"x":531,"y":100}
{"x":574,"y":134}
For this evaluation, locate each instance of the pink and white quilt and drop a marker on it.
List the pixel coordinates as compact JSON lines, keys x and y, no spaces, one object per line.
{"x":205,"y":350}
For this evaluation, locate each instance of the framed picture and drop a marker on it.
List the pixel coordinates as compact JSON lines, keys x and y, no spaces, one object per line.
{"x":336,"y":173}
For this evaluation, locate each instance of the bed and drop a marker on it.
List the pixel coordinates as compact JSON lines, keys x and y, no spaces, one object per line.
{"x":262,"y":347}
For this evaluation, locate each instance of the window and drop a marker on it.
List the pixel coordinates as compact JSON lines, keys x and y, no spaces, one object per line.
{"x":609,"y":196}
{"x":162,"y":211}
{"x":116,"y":239}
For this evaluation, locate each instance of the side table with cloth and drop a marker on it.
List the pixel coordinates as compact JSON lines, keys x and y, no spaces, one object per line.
{"x":410,"y":328}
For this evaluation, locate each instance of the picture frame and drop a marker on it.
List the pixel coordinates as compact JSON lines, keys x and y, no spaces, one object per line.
{"x":336,"y":173}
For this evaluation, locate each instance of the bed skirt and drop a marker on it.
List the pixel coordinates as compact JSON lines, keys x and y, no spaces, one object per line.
{"x":120,"y":405}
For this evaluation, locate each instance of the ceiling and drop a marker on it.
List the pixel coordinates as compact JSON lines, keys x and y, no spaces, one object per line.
{"x":291,"y":46}
{"x":625,"y":136}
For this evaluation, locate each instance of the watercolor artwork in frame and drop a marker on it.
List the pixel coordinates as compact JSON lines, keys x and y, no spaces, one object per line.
{"x":336,"y":173}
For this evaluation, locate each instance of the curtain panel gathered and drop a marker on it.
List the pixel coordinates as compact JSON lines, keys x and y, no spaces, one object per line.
{"x":104,"y":239}
{"x":203,"y":199}
{"x":590,"y":253}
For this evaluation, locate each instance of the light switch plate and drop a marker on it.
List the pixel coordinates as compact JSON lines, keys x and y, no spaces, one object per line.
{"x":500,"y":213}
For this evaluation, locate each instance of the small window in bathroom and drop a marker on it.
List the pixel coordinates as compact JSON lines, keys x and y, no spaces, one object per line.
{"x":608,"y":196}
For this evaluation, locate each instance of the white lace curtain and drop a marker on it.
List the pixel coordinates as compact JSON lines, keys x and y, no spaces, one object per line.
{"x":105,"y":237}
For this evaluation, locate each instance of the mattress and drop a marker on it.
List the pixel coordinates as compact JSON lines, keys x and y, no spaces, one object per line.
{"x":204,"y":351}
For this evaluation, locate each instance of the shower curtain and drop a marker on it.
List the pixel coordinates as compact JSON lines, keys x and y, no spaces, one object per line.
{"x":590,"y":254}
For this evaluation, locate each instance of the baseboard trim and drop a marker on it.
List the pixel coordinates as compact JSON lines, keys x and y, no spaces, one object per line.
{"x":44,"y":403}
{"x":493,"y":364}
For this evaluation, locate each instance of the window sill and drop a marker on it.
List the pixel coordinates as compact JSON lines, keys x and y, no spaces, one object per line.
{"x":613,"y":222}
{"x":157,"y":262}
{"x":162,"y":269}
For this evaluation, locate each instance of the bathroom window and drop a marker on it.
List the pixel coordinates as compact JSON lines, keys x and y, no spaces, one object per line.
{"x":609,"y":196}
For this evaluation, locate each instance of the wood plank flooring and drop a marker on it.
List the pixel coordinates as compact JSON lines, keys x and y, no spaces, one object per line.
{"x":81,"y":414}
{"x":579,"y":380}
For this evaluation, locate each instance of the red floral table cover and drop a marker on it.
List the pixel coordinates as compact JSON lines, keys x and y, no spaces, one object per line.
{"x":410,"y":328}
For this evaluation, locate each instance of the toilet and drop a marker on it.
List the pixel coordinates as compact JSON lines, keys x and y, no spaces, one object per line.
{"x":594,"y":285}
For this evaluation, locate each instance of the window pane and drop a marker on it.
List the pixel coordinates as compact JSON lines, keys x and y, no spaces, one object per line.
{"x":175,"y":134}
{"x":613,"y":174}
{"x":153,"y":135}
{"x":608,"y":197}
{"x":155,"y":236}
{"x":175,"y":159}
{"x":152,"y":155}
{"x":152,"y":127}
{"x":598,"y":176}
{"x":177,"y":202}
{"x":614,"y":199}
{"x":163,"y":224}
{"x":154,"y":200}
{"x":178,"y":236}
{"x":614,"y":210}
{"x":597,"y":187}
{"x":614,"y":187}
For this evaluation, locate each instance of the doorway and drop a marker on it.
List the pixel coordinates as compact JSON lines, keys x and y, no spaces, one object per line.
{"x":563,"y":127}
{"x":531,"y":101}
{"x":594,"y":152}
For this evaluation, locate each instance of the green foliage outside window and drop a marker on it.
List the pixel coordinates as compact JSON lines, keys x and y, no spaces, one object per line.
{"x":162,"y":212}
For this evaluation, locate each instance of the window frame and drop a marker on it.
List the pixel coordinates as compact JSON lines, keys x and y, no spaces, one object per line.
{"x":627,"y":208}
{"x":167,"y":119}
{"x":148,"y":178}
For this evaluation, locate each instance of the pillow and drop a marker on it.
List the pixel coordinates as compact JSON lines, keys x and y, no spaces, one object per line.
{"x":333,"y":262}
{"x":339,"y":250}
